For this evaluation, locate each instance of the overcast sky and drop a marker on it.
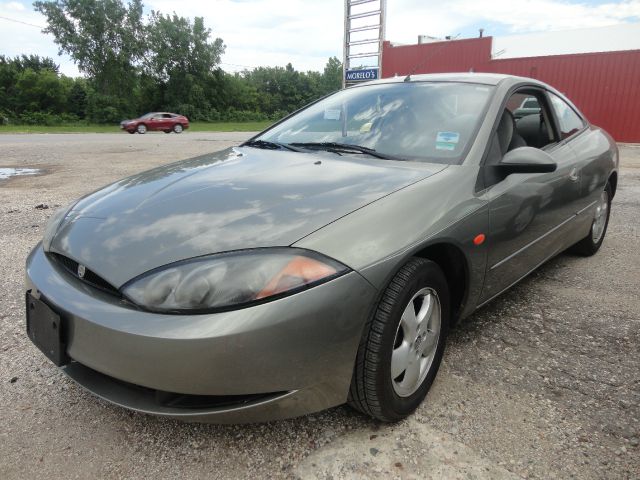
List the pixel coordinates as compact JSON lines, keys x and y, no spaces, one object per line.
{"x":307,"y":32}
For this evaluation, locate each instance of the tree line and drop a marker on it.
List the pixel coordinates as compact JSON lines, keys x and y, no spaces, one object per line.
{"x":134,"y":64}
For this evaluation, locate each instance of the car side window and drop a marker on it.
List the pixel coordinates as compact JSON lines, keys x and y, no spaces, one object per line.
{"x":525,"y":122}
{"x":532,"y":118}
{"x":569,"y":121}
{"x":523,"y":104}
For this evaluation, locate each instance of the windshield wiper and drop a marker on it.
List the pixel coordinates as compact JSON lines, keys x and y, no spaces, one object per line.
{"x":345,"y":147}
{"x":268,"y":145}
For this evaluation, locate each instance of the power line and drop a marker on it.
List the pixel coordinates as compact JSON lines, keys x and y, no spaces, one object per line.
{"x":23,"y":23}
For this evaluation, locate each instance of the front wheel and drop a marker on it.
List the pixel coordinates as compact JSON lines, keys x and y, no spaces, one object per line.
{"x":141,"y":129}
{"x":590,"y":244}
{"x":402,"y":346}
{"x":177,"y":128}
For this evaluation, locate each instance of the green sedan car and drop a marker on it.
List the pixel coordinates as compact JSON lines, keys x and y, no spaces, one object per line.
{"x":324,"y":260}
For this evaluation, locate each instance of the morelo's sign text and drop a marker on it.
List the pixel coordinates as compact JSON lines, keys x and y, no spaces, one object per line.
{"x":362,"y":75}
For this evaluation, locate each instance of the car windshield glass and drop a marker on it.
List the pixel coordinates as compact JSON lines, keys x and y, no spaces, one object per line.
{"x":147,"y":115}
{"x":426,"y":121}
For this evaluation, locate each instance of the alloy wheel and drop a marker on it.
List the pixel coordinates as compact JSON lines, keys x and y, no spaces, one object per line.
{"x":416,"y":342}
{"x":600,"y":217}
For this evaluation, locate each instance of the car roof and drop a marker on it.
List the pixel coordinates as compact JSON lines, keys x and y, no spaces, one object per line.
{"x":481,"y":78}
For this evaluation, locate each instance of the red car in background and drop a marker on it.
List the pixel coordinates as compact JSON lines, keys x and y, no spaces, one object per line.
{"x":162,"y":121}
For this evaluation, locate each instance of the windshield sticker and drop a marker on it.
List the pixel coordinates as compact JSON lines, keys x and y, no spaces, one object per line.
{"x":445,"y":146}
{"x":332,"y":114}
{"x":447,"y":140}
{"x":448,"y":137}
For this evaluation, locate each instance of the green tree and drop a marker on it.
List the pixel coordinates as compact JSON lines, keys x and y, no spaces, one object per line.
{"x":176,"y":46}
{"x":8,"y":78}
{"x":133,"y":66}
{"x":40,"y":91}
{"x":35,"y":63}
{"x":332,"y":76}
{"x":31,"y":87}
{"x":104,"y":37}
{"x":77,"y":98}
{"x":182,"y":58}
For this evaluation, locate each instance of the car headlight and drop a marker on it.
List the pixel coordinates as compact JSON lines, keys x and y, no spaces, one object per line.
{"x":53,"y":225}
{"x":230,"y":280}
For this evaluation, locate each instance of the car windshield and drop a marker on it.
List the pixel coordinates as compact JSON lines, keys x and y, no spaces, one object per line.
{"x":425,"y":121}
{"x":147,"y":115}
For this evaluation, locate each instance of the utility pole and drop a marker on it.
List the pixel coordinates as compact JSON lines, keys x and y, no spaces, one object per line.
{"x":364,"y":31}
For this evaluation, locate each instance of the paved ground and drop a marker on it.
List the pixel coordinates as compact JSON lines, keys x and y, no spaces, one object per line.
{"x":542,"y":383}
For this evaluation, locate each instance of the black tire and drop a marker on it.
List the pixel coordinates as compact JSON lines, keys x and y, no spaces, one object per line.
{"x":372,"y":391}
{"x":131,"y":131}
{"x":178,"y":128}
{"x":167,"y":131}
{"x":141,"y":129}
{"x":587,"y":246}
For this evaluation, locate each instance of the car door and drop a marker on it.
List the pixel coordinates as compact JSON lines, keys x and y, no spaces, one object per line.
{"x":156,"y":122}
{"x":167,"y":121}
{"x":529,"y":213}
{"x":591,"y":149}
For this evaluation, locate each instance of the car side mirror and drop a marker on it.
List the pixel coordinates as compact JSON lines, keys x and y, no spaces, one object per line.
{"x":527,"y":160}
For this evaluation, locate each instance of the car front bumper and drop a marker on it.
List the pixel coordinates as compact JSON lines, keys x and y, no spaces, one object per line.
{"x":280,"y":359}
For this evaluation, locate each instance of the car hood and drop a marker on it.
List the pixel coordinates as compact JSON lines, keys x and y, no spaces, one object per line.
{"x":235,"y":199}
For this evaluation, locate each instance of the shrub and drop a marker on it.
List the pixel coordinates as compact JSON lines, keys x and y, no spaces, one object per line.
{"x":46,"y":118}
{"x":107,"y":109}
{"x":38,"y":118}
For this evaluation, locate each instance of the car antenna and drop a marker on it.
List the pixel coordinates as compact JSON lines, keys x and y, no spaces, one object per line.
{"x":424,"y":60}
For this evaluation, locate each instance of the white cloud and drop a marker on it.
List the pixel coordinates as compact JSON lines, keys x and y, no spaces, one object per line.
{"x":409,"y":18}
{"x":307,"y":32}
{"x":15,"y":6}
{"x":270,"y":32}
{"x":23,"y":36}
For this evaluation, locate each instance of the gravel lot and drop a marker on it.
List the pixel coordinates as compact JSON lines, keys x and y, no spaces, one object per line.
{"x":542,"y":383}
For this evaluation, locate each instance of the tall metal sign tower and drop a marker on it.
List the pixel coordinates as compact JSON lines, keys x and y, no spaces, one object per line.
{"x":364,"y":25}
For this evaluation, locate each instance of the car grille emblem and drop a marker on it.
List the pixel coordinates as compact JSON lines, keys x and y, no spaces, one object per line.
{"x":81,"y":270}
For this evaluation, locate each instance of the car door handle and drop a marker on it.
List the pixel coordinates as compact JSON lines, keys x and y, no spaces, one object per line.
{"x":574,"y":175}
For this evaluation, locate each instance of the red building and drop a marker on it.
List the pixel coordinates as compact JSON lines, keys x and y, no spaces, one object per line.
{"x":605,"y":86}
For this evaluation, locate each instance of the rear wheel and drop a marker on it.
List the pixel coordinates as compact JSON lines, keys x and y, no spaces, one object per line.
{"x":402,"y":345}
{"x":177,"y":128}
{"x":141,"y":129}
{"x":590,"y":244}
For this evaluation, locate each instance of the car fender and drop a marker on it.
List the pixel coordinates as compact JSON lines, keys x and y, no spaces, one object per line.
{"x":378,"y":239}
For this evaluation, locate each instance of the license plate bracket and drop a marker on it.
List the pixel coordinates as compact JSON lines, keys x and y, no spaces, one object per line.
{"x":45,"y":329}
